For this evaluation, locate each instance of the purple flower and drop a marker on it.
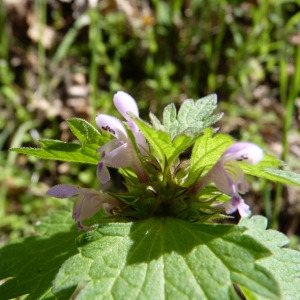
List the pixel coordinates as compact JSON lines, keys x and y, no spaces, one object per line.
{"x":126,"y":104}
{"x":228,"y":176}
{"x":120,"y":152}
{"x":87,"y":204}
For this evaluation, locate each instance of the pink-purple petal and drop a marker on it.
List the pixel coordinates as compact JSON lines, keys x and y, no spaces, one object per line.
{"x":121,"y":157}
{"x":110,"y":146}
{"x":245,"y":152}
{"x":228,"y":176}
{"x":141,"y":142}
{"x":86,"y":206}
{"x":63,"y":191}
{"x":237,"y":175}
{"x":112,"y":125}
{"x":243,"y":209}
{"x":88,"y":203}
{"x":124,"y":104}
{"x":221,"y":178}
{"x":237,"y":203}
{"x":103,"y":173}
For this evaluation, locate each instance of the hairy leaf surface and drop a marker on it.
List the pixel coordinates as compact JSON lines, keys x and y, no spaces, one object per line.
{"x":29,"y":265}
{"x":284,"y":264}
{"x":85,"y":152}
{"x":192,"y":117}
{"x":166,"y":259}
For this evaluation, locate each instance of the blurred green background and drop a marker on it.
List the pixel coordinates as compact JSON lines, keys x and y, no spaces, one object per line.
{"x":62,"y":59}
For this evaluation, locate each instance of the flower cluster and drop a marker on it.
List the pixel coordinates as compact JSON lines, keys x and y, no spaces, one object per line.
{"x":87,"y":204}
{"x":129,"y":149}
{"x":228,"y":176}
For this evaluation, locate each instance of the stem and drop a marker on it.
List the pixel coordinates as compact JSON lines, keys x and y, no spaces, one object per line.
{"x":40,"y":8}
{"x":11,"y":161}
{"x":4,"y":42}
{"x":277,"y":206}
{"x":290,"y":104}
{"x":267,"y":199}
{"x":95,"y":37}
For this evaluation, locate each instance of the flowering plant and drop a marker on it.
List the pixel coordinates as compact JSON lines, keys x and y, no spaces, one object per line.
{"x":162,"y":237}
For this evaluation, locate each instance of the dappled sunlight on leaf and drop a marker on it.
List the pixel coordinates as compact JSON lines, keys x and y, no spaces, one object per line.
{"x":152,"y":258}
{"x":30,"y":265}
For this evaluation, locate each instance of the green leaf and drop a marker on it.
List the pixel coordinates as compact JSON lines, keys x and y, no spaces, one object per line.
{"x":283,"y":176}
{"x":156,"y":123}
{"x":276,"y":175}
{"x":170,"y":122}
{"x":158,"y":140}
{"x":192,"y":118}
{"x":57,"y":150}
{"x":87,"y":134}
{"x":269,"y":161}
{"x":206,"y":152}
{"x":161,"y":143}
{"x":29,"y":265}
{"x":284,"y":264}
{"x":208,"y":149}
{"x":166,"y":259}
{"x":86,"y":152}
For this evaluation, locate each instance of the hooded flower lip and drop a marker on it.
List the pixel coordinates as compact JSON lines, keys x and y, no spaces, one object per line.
{"x":126,"y":104}
{"x":228,"y":176}
{"x":119,"y":152}
{"x":112,"y":125}
{"x":87,"y":204}
{"x":243,"y":151}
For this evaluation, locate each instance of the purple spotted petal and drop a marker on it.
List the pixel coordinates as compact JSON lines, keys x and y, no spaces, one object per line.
{"x":245,"y":152}
{"x":112,"y":125}
{"x":124,"y":104}
{"x":119,"y":152}
{"x":63,"y":191}
{"x":228,"y":176}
